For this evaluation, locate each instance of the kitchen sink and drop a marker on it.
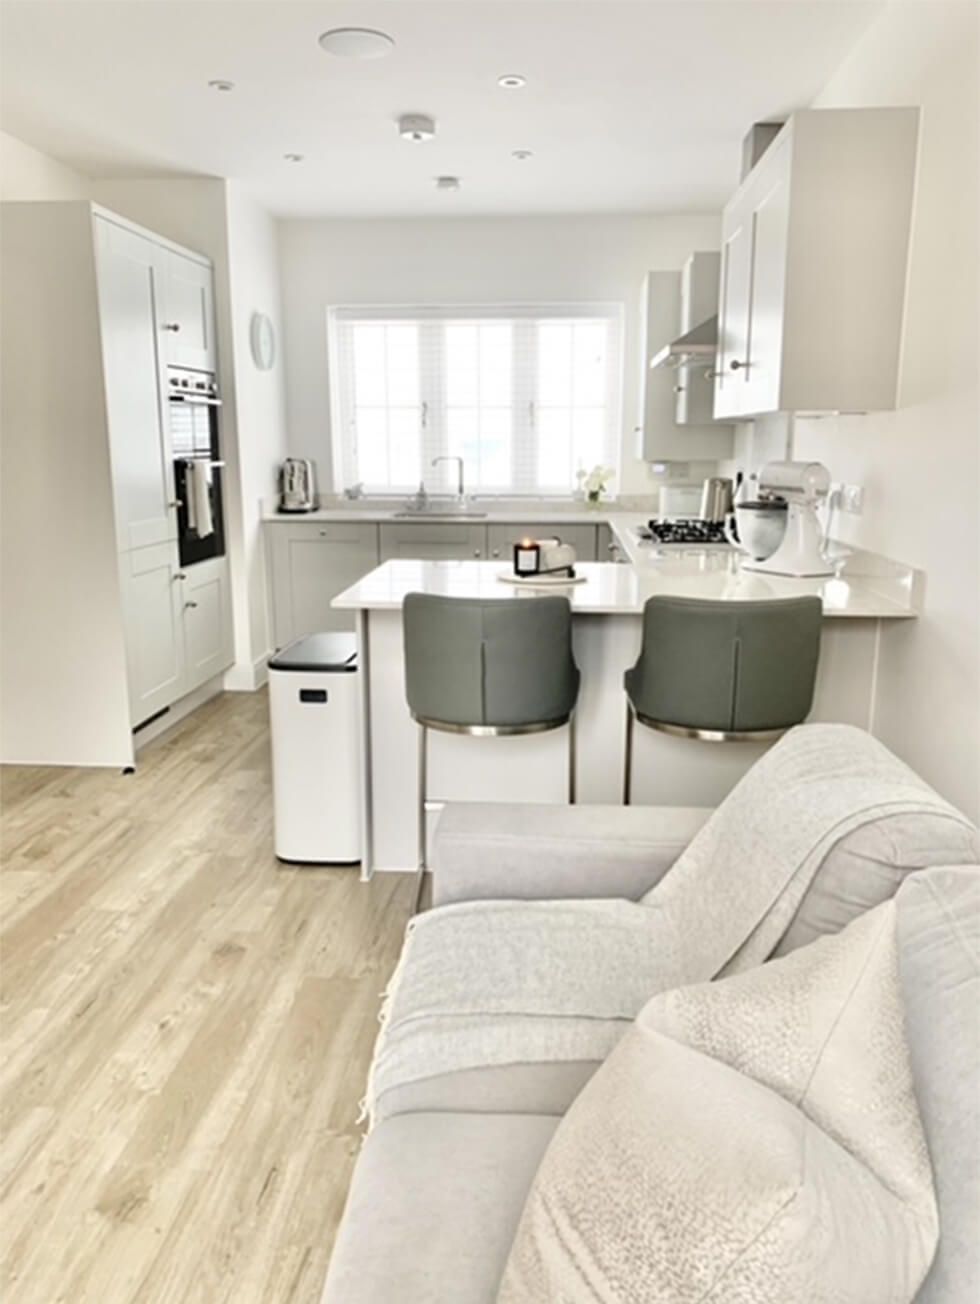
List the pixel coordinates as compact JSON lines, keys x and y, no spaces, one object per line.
{"x":439,"y":515}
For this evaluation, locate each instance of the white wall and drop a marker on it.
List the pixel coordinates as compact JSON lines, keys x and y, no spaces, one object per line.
{"x":216,"y":218}
{"x":467,"y":260}
{"x":253,"y":261}
{"x":26,"y":173}
{"x":920,"y":465}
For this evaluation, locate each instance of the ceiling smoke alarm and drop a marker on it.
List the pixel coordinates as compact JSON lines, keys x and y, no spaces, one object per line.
{"x":447,"y":183}
{"x":416,"y":126}
{"x":356,"y":43}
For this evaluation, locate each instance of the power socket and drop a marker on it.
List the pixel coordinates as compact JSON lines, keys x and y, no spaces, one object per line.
{"x":852,"y":499}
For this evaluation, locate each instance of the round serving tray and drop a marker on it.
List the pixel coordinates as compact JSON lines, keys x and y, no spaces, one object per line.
{"x":540,"y":581}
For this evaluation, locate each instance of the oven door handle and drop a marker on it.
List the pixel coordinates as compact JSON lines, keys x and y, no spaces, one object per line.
{"x":197,"y":400}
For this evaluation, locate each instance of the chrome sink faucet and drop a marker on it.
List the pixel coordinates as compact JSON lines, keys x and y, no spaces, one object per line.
{"x":460,"y":490}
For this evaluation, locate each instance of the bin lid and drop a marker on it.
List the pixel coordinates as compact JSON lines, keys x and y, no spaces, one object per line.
{"x":331,"y":653}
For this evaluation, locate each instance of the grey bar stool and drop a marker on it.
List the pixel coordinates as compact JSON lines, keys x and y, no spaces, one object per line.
{"x":723,"y":671}
{"x":489,"y":669}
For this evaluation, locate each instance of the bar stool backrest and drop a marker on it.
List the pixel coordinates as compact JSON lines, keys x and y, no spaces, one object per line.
{"x":502,"y":662}
{"x":730,"y":667}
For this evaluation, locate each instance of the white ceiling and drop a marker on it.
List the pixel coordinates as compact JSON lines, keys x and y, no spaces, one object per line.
{"x":630,"y":105}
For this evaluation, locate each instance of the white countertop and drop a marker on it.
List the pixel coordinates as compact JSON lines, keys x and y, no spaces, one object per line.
{"x":573,"y":514}
{"x":622,"y":589}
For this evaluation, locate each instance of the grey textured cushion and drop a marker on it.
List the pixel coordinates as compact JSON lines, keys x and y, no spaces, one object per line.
{"x":755,"y":1140}
{"x":496,"y":1089}
{"x":537,"y":852}
{"x":433,"y":1208}
{"x":939,"y":965}
{"x":869,"y":865}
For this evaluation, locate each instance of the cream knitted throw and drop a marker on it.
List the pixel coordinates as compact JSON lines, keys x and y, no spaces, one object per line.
{"x":501,"y":982}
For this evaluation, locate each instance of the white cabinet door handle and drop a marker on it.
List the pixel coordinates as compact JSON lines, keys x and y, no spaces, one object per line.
{"x":179,"y":575}
{"x":476,"y":552}
{"x":175,"y":503}
{"x":739,"y":366}
{"x":171,"y":326}
{"x":189,"y":606}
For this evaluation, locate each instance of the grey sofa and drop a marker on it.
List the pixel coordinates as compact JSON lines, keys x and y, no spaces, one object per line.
{"x":440,"y":1184}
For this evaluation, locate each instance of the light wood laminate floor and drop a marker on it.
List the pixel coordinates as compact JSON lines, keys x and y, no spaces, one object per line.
{"x":186,"y":1025}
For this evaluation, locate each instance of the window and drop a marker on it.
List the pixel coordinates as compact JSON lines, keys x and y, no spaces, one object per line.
{"x":525,"y":395}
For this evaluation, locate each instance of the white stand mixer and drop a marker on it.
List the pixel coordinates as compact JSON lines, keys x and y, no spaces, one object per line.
{"x":802,"y":485}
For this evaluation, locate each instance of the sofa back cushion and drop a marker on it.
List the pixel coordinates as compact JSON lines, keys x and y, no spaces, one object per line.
{"x":939,"y":966}
{"x":869,"y":865}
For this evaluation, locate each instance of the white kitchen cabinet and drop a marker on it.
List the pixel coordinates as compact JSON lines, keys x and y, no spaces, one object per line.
{"x":130,"y":270}
{"x":153,"y":609}
{"x":310,"y":563}
{"x":814,"y":261}
{"x":207,"y":621}
{"x":433,"y":541}
{"x":659,"y":436}
{"x":95,"y":636}
{"x":693,"y":385}
{"x":187,"y":323}
{"x":501,"y":538}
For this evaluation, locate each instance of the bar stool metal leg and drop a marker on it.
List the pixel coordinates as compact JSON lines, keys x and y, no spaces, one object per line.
{"x":572,"y":772}
{"x":422,"y":787}
{"x":628,"y":764}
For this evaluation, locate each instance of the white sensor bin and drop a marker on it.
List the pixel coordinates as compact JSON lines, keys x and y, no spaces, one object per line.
{"x":316,"y":768}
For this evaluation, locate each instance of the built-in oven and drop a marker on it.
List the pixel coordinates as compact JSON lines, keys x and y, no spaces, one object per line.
{"x":194,"y":405}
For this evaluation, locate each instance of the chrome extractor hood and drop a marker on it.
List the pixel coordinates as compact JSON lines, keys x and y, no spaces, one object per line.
{"x":697,"y":345}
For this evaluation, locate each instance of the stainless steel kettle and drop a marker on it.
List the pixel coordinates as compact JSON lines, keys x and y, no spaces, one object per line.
{"x":297,"y":485}
{"x":716,"y":498}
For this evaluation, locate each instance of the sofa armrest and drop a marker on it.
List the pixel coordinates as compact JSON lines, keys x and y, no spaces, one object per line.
{"x":530,"y":852}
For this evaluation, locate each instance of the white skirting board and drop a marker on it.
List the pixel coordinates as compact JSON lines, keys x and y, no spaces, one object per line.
{"x":177,"y":712}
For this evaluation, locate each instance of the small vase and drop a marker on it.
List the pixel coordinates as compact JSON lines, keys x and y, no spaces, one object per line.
{"x":594,"y":500}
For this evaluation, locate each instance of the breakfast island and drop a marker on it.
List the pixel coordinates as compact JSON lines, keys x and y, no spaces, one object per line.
{"x":859,"y":601}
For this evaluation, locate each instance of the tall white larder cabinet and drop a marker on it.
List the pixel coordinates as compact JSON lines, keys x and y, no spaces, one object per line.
{"x":814,"y":263}
{"x":100,"y":627}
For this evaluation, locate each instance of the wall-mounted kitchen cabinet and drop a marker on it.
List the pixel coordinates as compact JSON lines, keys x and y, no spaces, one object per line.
{"x":694,"y":391}
{"x":813,"y":267}
{"x":661,"y":437}
{"x":102,"y":627}
{"x":310,"y":562}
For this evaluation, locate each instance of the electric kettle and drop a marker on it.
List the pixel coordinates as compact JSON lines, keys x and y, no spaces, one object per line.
{"x":297,"y":485}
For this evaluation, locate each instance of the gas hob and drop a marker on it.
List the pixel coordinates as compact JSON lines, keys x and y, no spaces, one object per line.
{"x":687,"y":531}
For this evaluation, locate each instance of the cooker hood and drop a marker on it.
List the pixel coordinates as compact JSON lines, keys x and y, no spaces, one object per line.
{"x":697,"y":345}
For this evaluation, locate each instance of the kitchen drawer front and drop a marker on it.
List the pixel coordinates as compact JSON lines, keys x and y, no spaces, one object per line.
{"x":420,"y":540}
{"x":310,"y":563}
{"x":501,"y":538}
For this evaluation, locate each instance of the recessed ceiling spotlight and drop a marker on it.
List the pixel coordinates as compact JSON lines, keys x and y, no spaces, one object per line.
{"x":219,"y":84}
{"x":293,"y":158}
{"x":512,"y":81}
{"x":416,"y":126}
{"x":357,"y":43}
{"x":447,"y":183}
{"x":522,"y":153}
